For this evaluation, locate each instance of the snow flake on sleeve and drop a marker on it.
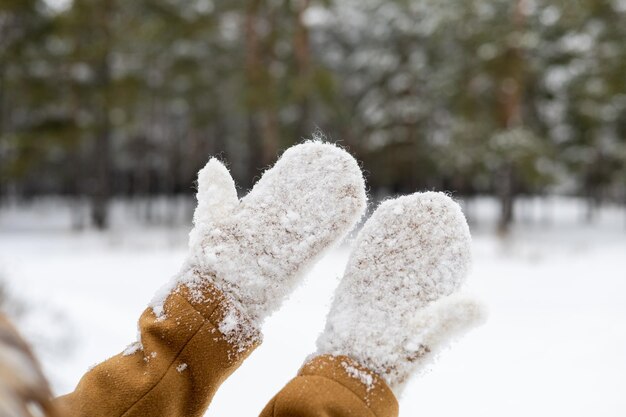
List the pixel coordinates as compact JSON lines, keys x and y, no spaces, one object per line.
{"x":132,"y":349}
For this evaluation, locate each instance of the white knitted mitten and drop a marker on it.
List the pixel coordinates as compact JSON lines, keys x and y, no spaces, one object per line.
{"x":395,"y":307}
{"x":256,"y":249}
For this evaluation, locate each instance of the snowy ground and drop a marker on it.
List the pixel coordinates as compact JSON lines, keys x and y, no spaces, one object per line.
{"x":554,"y":345}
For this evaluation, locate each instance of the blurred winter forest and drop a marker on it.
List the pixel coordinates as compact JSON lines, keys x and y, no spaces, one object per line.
{"x":108,"y":108}
{"x":109,"y":99}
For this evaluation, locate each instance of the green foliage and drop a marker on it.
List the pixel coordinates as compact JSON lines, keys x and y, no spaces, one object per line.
{"x":527,"y":154}
{"x":428,"y":93}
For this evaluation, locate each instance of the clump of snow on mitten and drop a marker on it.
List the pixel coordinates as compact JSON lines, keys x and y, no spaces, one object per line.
{"x":256,"y":249}
{"x":217,"y":198}
{"x":413,"y":251}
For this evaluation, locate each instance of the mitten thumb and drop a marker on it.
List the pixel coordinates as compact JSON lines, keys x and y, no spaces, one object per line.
{"x":438,"y":324}
{"x":217,"y":198}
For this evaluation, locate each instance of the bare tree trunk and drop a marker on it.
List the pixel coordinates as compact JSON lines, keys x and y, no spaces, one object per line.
{"x":507,"y":201}
{"x":511,"y":96}
{"x":270,"y":140}
{"x":593,"y":201}
{"x":506,"y":195}
{"x":102,"y":161}
{"x":302,"y":52}
{"x":2,"y":93}
{"x":2,"y":163}
{"x":624,"y":203}
{"x":253,"y":160}
{"x":101,"y":192}
{"x":220,"y":131}
{"x":271,"y":137}
{"x":263,"y":121}
{"x":253,"y":76}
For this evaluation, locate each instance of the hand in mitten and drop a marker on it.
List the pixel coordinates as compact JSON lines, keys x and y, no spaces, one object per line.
{"x":395,"y":307}
{"x":245,"y":256}
{"x":256,"y":249}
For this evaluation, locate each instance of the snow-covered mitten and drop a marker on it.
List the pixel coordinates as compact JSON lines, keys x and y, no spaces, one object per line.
{"x":395,"y":307}
{"x":256,"y":249}
{"x":393,"y":310}
{"x":245,"y":256}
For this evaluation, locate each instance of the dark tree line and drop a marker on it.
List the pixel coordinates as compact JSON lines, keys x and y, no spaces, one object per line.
{"x":128,"y":98}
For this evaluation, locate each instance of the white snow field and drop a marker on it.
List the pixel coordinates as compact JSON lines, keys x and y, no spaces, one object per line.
{"x":554,"y":344}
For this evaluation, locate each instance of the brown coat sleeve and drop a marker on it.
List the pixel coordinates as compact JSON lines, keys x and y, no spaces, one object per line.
{"x":333,"y":386}
{"x":184,"y":359}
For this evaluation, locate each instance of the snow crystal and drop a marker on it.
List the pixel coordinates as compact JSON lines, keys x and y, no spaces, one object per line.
{"x":380,"y":303}
{"x":229,"y":323}
{"x":256,"y":249}
{"x":132,"y":349}
{"x":366,"y":378}
{"x":180,"y":368}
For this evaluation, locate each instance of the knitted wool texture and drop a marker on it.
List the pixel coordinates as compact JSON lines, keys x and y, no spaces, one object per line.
{"x":256,"y":249}
{"x":393,"y":309}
